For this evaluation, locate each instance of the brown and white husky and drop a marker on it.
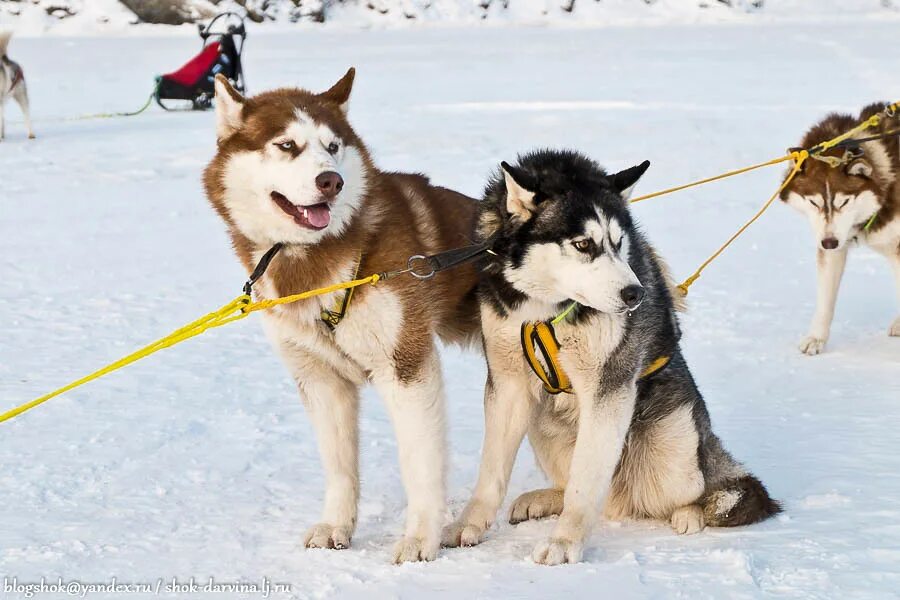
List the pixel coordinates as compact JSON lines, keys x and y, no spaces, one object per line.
{"x":290,"y":169}
{"x":857,"y":200}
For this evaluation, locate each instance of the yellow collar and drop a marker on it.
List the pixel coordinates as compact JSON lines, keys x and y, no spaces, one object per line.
{"x":541,"y":350}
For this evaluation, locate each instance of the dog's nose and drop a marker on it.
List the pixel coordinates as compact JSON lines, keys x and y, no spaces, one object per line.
{"x":329,"y":183}
{"x":830,"y":243}
{"x":632,"y":295}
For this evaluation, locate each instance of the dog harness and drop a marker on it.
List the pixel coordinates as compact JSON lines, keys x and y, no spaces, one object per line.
{"x":541,"y":350}
{"x":332,"y":317}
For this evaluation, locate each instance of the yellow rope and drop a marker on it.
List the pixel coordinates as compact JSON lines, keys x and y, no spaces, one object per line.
{"x":768,"y":163}
{"x":237,"y":309}
{"x":800,"y":158}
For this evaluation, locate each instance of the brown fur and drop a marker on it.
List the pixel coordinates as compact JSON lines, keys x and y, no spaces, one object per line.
{"x":400,"y":215}
{"x":815,"y":173}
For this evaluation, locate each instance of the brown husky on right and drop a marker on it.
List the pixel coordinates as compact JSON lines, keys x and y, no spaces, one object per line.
{"x":856,"y":201}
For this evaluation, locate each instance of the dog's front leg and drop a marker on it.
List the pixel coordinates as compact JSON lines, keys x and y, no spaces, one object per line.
{"x":333,"y":406}
{"x":507,"y":413}
{"x":415,"y":401}
{"x":830,"y":269}
{"x":602,"y":425}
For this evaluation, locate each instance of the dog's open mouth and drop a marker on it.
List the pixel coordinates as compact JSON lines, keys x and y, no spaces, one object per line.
{"x":317,"y":216}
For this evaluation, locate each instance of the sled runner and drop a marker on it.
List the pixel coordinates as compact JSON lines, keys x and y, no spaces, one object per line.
{"x":223,"y":42}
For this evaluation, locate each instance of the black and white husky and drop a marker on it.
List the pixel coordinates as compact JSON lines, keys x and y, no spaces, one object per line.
{"x":637,"y":444}
{"x":12,"y":85}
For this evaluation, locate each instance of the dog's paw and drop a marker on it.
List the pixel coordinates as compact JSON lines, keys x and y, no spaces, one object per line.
{"x":894,"y":330}
{"x":536,"y":504}
{"x":462,"y":534}
{"x":557,"y":551}
{"x":323,"y":535}
{"x":812,"y":345}
{"x":31,"y":136}
{"x":688,"y":520}
{"x":414,"y":549}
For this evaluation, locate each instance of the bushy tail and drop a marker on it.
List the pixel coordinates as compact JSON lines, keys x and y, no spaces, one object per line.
{"x":4,"y":42}
{"x":740,"y":501}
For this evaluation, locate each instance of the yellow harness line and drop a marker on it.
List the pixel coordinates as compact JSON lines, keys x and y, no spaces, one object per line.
{"x":237,"y":309}
{"x":541,"y":337}
{"x":799,"y":157}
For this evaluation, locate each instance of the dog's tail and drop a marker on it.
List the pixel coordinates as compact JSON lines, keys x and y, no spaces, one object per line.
{"x":4,"y":42}
{"x":740,"y":501}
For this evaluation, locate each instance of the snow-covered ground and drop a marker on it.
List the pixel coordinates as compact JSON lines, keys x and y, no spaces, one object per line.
{"x":110,"y":17}
{"x":199,"y":461}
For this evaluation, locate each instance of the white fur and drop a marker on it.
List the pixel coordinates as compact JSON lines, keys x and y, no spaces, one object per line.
{"x":330,"y":368}
{"x":725,"y":500}
{"x":519,"y":201}
{"x":602,"y":425}
{"x":251,"y":177}
{"x":830,"y":270}
{"x":228,"y":108}
{"x":860,"y":167}
{"x":662,"y":474}
{"x":688,"y":520}
{"x":849,"y":213}
{"x":417,"y":412}
{"x":556,"y":272}
{"x":508,"y":400}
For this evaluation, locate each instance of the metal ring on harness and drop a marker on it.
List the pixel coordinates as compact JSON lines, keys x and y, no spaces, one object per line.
{"x":411,"y":266}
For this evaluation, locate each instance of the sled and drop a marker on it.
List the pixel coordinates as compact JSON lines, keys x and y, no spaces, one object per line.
{"x":191,"y":86}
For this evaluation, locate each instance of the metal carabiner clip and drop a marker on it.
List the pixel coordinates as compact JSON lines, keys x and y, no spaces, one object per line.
{"x":411,"y":266}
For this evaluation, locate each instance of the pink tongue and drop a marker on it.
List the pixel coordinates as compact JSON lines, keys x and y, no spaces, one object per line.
{"x":318,"y":216}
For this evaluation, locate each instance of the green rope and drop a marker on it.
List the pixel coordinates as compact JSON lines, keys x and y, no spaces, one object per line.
{"x":868,"y":224}
{"x":561,"y":316}
{"x":122,"y":114}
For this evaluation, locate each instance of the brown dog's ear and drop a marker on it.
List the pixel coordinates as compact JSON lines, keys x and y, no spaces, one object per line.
{"x":229,"y":105}
{"x":339,"y":93}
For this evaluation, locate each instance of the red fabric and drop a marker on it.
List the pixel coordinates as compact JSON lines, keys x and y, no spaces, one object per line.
{"x":196,"y":67}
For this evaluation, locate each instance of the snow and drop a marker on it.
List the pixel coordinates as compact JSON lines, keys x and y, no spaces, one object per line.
{"x":199,"y":461}
{"x":90,"y":17}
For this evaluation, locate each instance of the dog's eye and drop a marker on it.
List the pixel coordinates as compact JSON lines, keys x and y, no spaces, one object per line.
{"x":811,"y":201}
{"x":333,"y":148}
{"x":618,"y":245}
{"x":584,"y":245}
{"x":287,"y":146}
{"x":840,"y":203}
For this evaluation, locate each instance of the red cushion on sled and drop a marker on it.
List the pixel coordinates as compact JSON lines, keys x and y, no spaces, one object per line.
{"x":196,"y":67}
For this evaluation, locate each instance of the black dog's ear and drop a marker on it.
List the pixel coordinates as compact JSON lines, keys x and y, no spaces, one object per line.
{"x":519,"y":199}
{"x":624,"y":181}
